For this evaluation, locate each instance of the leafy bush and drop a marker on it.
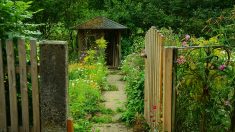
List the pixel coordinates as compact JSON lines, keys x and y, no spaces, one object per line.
{"x":205,"y":86}
{"x":133,"y":69}
{"x":13,"y":15}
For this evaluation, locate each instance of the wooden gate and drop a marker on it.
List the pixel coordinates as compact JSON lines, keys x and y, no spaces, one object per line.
{"x":18,"y":103}
{"x":158,"y":81}
{"x":20,"y":108}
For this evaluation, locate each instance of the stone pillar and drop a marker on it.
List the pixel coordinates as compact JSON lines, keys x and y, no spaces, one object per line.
{"x":53,"y":86}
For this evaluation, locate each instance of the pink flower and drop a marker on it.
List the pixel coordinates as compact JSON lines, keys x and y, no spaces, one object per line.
{"x":181,"y":60}
{"x":222,"y":67}
{"x":187,"y":37}
{"x":184,"y":44}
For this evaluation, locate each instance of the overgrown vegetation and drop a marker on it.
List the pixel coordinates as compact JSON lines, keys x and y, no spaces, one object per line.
{"x":133,"y":70}
{"x":86,"y":81}
{"x":205,"y":89}
{"x":205,"y":80}
{"x":210,"y":91}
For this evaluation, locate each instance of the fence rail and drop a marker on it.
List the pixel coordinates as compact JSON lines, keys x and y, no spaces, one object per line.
{"x":158,"y":81}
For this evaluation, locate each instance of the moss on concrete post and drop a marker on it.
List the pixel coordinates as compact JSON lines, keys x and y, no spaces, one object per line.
{"x":53,"y":86}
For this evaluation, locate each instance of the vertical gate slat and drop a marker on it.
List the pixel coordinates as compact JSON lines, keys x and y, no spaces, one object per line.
{"x":159,"y":70}
{"x":157,"y":75}
{"x":148,"y":76}
{"x":155,"y":60}
{"x":146,"y":81}
{"x":12,"y":85}
{"x":35,"y":93}
{"x":3,"y":119}
{"x":23,"y":84}
{"x":161,"y":73}
{"x":167,"y":87}
{"x":151,"y":76}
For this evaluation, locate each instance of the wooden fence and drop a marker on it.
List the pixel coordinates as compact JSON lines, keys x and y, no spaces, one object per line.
{"x":158,"y":108}
{"x":20,"y":108}
{"x":14,"y":98}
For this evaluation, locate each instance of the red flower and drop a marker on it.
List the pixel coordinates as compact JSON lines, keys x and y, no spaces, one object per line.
{"x":154,"y":107}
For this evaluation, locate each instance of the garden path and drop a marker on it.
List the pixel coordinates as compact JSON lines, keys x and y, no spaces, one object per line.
{"x":114,"y":100}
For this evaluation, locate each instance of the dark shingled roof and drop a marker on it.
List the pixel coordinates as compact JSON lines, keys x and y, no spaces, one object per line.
{"x":100,"y":23}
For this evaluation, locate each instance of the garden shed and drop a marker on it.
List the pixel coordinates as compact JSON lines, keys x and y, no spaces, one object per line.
{"x":99,"y":27}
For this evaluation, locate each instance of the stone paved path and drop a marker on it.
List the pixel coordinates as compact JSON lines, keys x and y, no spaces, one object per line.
{"x":114,"y":100}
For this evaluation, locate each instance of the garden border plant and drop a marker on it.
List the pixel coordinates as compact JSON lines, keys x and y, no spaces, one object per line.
{"x":87,"y":79}
{"x":205,"y":85}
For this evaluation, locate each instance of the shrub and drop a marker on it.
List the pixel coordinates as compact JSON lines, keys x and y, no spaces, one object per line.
{"x":205,"y":86}
{"x":133,"y":69}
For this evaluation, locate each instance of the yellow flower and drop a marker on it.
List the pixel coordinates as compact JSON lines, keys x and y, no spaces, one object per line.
{"x":102,"y":43}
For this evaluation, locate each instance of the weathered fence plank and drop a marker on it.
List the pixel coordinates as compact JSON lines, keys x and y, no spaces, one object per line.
{"x":167,"y":87}
{"x":3,"y":119}
{"x":151,"y":79}
{"x":161,"y":74}
{"x":12,"y":85}
{"x":157,"y":65}
{"x":53,"y":85}
{"x":23,"y":85}
{"x":35,"y":91}
{"x":154,"y":72}
{"x":147,"y":78}
{"x":146,"y":82}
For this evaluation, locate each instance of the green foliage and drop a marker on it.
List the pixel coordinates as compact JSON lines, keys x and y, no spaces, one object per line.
{"x":85,"y":84}
{"x":205,"y":86}
{"x":183,"y":16}
{"x":102,"y":119}
{"x":132,"y":44}
{"x":86,"y":80}
{"x":84,"y":97}
{"x":223,"y":25}
{"x":13,"y":15}
{"x":133,"y":69}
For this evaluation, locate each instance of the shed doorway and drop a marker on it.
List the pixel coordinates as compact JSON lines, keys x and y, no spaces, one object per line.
{"x":110,"y":38}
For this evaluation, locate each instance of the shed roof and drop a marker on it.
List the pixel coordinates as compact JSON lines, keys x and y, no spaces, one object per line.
{"x":100,"y":23}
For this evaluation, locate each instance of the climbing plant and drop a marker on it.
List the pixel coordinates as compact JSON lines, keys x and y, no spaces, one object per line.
{"x":205,"y":86}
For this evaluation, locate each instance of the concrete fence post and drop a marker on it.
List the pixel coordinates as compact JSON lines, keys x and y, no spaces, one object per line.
{"x":53,"y":86}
